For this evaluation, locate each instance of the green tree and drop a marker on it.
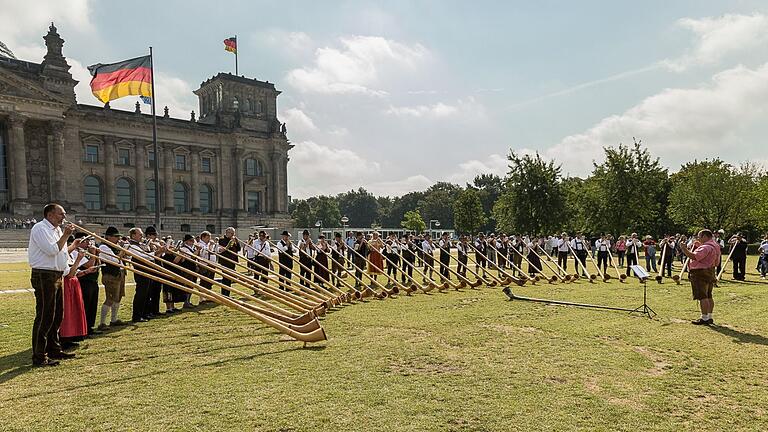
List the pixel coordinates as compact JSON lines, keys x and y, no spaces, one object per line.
{"x":468,"y":215}
{"x":438,"y":202}
{"x":532,"y":202}
{"x":627,"y":190}
{"x":400,"y":205}
{"x":713,"y":194}
{"x":359,"y":206}
{"x":302,"y":215}
{"x":489,"y":187}
{"x":327,"y":210}
{"x":412,"y":221}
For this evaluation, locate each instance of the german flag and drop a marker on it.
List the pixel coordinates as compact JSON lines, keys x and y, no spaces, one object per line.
{"x":230,"y":45}
{"x":125,"y":78}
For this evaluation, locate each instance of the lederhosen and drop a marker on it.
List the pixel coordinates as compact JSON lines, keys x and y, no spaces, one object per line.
{"x":337,"y":260}
{"x":461,"y":251}
{"x":631,"y":256}
{"x":359,"y":258}
{"x":480,"y":249}
{"x":141,"y":295}
{"x":321,"y":267}
{"x":409,"y":257}
{"x":394,"y":260}
{"x":286,"y":261}
{"x":602,"y":256}
{"x":429,"y":258}
{"x":262,"y":261}
{"x":232,"y":248}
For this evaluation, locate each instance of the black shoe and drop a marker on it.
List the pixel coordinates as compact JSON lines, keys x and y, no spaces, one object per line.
{"x":140,"y":320}
{"x":46,"y":362}
{"x":68,"y":346}
{"x":92,"y":332}
{"x":61,"y":356}
{"x":117,"y":323}
{"x":702,"y":322}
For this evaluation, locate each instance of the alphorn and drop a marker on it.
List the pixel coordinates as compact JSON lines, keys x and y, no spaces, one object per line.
{"x":660,"y":276}
{"x":395,"y":290}
{"x":307,"y":299}
{"x":536,"y":276}
{"x":440,"y":287}
{"x":414,"y":286}
{"x":447,"y":280}
{"x":464,"y":279}
{"x":727,"y":260}
{"x":396,"y":287}
{"x":524,"y":275}
{"x":313,"y":336}
{"x":509,"y":279}
{"x":677,"y":277}
{"x":311,"y":280}
{"x":338,"y":296}
{"x":600,"y":272}
{"x":622,"y":277}
{"x":567,"y":277}
{"x":577,"y":263}
{"x":555,"y":276}
{"x":306,"y":321}
{"x":430,"y":283}
{"x":494,"y":280}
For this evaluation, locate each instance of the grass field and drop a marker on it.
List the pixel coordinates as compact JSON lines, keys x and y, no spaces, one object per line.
{"x":453,"y":361}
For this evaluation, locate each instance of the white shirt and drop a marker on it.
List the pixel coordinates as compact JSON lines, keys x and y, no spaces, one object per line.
{"x":602,"y":246}
{"x":205,"y":252}
{"x":461,"y":249}
{"x":445,"y":244}
{"x":427,"y":247}
{"x":83,"y":260}
{"x":282,"y":246}
{"x":106,"y":254}
{"x":633,"y":245}
{"x":43,"y":251}
{"x":261,"y":248}
{"x":136,"y":249}
{"x":562,"y":245}
{"x":577,"y":244}
{"x":248,"y":251}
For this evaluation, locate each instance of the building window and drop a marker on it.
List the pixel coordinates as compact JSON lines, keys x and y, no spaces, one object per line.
{"x":206,"y":199}
{"x":253,"y":168}
{"x":259,"y":107}
{"x":123,"y":157}
{"x":92,"y":153}
{"x":129,"y":225}
{"x":124,"y":194}
{"x":254,"y":202}
{"x":180,"y":198}
{"x":185,"y":228}
{"x":150,"y":194}
{"x":151,"y":158}
{"x":210,"y":228}
{"x":181,"y":162}
{"x":205,"y":164}
{"x":92,"y":193}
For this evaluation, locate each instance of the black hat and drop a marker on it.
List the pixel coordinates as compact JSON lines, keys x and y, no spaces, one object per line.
{"x":111,"y":232}
{"x":150,"y":230}
{"x":305,"y":232}
{"x":285,"y":233}
{"x":188,"y":237}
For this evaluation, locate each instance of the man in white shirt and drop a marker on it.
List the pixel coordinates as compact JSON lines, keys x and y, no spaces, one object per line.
{"x":262,"y":254}
{"x":633,"y":250}
{"x":113,"y":278}
{"x":48,"y":256}
{"x":203,"y":250}
{"x":562,"y":251}
{"x":602,"y":246}
{"x":579,"y":246}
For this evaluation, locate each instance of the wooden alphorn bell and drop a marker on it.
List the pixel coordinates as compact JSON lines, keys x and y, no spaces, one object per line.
{"x":567,"y":277}
{"x":510,"y":278}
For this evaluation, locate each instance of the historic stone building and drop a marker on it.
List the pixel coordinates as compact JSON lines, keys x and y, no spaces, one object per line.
{"x":229,"y":167}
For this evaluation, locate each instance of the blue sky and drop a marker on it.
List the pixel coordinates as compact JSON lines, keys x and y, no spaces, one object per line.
{"x":396,"y":95}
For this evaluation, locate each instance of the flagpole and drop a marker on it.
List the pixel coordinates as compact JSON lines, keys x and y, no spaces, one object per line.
{"x":154,"y":143}
{"x":236,"y":56}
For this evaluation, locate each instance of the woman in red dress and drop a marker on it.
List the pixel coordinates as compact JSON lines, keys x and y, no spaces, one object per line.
{"x":73,"y":325}
{"x":376,"y":265}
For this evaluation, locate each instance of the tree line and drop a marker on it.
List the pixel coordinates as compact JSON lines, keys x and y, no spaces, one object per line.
{"x":630,"y":191}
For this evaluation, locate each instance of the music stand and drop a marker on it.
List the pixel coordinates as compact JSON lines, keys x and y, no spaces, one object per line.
{"x":643,"y":276}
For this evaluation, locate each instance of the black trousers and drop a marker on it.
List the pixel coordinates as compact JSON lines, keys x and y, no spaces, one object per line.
{"x":203,"y":273}
{"x":392,"y":266}
{"x":620,"y":255}
{"x":90,"y":289}
{"x":582,"y":256}
{"x":480,"y":260}
{"x":631,"y":260}
{"x":462,"y":267}
{"x":49,"y":311}
{"x":739,"y":267}
{"x":602,"y":260}
{"x":225,"y":280}
{"x":153,"y":298}
{"x":260,"y":270}
{"x":285,"y":272}
{"x":306,"y":269}
{"x":445,"y":261}
{"x":562,"y":260}
{"x":407,"y":269}
{"x":667,"y":265}
{"x":140,"y":297}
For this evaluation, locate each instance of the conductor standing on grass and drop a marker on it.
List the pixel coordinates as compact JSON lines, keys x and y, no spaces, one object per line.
{"x":703,"y":261}
{"x":48,"y":255}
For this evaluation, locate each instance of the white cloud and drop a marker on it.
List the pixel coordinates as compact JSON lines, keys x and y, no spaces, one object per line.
{"x":299,"y":123}
{"x":715,"y":119}
{"x":21,"y":20}
{"x":437,"y":110}
{"x":721,"y":36}
{"x":290,"y":43}
{"x":400,"y":187}
{"x":357,"y":67}
{"x":493,"y":164}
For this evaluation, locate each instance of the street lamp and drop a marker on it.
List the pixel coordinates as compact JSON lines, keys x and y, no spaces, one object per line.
{"x":319,"y":226}
{"x":437,"y":224}
{"x":344,"y":221}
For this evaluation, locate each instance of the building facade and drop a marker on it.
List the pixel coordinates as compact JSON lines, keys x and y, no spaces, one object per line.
{"x":227,"y":168}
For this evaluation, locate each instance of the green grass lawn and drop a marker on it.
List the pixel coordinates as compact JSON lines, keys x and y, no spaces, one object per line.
{"x":468,"y":360}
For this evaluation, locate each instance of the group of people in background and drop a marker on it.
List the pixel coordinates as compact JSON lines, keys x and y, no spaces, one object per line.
{"x":17,"y":223}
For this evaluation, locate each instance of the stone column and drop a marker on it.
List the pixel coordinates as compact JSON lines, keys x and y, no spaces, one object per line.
{"x":109,"y":173}
{"x":59,"y":179}
{"x":168,"y":160}
{"x":195,"y":189}
{"x":281,"y":189}
{"x":17,"y":166}
{"x":239,"y":198}
{"x":273,"y":184}
{"x":141,"y":180}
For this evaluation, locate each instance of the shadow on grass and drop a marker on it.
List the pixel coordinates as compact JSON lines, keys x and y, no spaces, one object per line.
{"x":13,"y":365}
{"x":110,"y":381}
{"x":257,"y":355}
{"x":739,"y":336}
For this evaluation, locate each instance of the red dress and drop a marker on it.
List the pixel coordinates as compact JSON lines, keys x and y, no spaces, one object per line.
{"x":73,"y":323}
